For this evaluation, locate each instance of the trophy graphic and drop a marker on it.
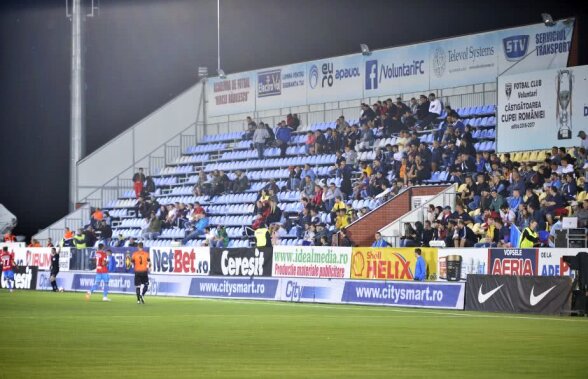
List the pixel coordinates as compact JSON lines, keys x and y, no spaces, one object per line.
{"x":564,"y":104}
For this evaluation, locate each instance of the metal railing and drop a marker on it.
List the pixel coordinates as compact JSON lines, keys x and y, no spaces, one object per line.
{"x":395,"y":230}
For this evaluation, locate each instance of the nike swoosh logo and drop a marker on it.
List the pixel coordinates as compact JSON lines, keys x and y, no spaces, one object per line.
{"x":534,"y":300}
{"x":482,"y":297}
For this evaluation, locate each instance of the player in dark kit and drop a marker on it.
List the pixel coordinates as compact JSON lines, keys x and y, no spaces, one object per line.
{"x":54,"y":268}
{"x":142,"y":264}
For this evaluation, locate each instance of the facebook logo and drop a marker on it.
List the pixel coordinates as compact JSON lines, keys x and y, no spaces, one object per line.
{"x":371,"y":74}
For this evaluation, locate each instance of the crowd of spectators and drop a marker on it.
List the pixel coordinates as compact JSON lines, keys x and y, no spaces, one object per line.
{"x":494,"y":193}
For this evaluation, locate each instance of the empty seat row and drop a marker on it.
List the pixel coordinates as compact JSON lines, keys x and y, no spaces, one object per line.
{"x":230,"y":209}
{"x":222,"y":137}
{"x":359,"y":204}
{"x":481,"y":122}
{"x":206,"y":148}
{"x":235,"y":198}
{"x":485,"y":146}
{"x":484,"y":134}
{"x":185,"y":159}
{"x":173,"y":233}
{"x":324,"y":159}
{"x":133,"y":223}
{"x":174,"y":170}
{"x":476,"y":110}
{"x":231,"y":220}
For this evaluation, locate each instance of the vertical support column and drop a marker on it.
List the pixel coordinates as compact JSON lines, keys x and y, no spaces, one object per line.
{"x":77,"y":120}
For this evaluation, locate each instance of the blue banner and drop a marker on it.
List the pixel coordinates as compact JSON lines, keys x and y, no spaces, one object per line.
{"x":122,"y":257}
{"x":405,"y":294}
{"x":238,"y":288}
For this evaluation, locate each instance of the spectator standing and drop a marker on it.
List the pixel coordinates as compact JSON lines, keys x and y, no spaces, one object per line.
{"x":260,"y":137}
{"x":283,"y":135}
{"x":529,"y":237}
{"x":153,"y":229}
{"x":138,"y":180}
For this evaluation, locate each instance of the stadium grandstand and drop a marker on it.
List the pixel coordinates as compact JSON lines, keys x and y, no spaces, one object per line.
{"x":418,"y":210}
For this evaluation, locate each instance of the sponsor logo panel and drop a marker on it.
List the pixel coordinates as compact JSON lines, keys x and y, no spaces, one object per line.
{"x":311,"y":262}
{"x":390,"y":263}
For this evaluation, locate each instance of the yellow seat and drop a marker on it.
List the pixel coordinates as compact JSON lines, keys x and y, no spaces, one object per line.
{"x":541,"y":156}
{"x":582,"y":196}
{"x":533,"y":156}
{"x":525,"y":156}
{"x":542,"y":196}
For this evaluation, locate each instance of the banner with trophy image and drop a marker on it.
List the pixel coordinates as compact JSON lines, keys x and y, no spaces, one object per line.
{"x":541,"y":109}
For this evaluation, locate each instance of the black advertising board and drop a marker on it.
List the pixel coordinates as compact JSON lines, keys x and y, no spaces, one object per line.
{"x":241,"y":262}
{"x":25,"y":278}
{"x":518,"y":294}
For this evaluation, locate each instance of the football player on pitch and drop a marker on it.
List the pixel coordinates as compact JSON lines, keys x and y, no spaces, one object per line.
{"x":101,"y":273}
{"x":8,"y":265}
{"x":142,"y":264}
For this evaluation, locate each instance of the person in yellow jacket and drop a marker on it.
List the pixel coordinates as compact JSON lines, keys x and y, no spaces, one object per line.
{"x":262,"y":236}
{"x":529,"y":237}
{"x":79,"y":240}
{"x":342,"y":219}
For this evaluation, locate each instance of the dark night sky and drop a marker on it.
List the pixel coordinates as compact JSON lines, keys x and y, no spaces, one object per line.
{"x":142,"y":53}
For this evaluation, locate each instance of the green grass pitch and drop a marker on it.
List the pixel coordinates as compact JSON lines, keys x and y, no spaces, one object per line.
{"x":60,"y":335}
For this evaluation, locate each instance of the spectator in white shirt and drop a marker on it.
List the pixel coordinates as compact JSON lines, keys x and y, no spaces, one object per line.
{"x":435,"y":109}
{"x":435,"y":105}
